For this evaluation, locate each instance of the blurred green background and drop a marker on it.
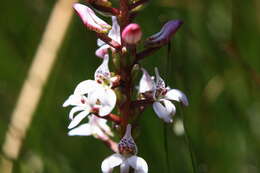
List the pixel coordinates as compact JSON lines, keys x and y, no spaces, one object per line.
{"x":214,"y":59}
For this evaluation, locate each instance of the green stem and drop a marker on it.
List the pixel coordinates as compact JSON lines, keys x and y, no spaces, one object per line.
{"x":166,"y":147}
{"x":191,"y":150}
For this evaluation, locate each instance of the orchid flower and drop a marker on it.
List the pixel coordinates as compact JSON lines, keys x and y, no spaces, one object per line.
{"x":114,"y":34}
{"x":96,"y":126}
{"x":90,"y":20}
{"x":92,"y":96}
{"x":162,"y":95}
{"x":126,"y":157}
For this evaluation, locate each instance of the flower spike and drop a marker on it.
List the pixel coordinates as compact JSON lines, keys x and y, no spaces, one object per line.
{"x":90,"y":20}
{"x":94,"y":100}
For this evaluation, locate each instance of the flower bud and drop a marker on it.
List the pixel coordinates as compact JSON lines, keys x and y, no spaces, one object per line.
{"x":132,"y":33}
{"x":164,"y":36}
{"x":90,"y":20}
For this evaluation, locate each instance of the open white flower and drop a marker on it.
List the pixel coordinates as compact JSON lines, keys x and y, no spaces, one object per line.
{"x":162,"y":95}
{"x":126,"y":157}
{"x":92,"y":96}
{"x":96,"y":126}
{"x":114,"y":34}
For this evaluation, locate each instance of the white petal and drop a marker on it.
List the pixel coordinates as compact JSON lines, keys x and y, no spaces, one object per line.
{"x":102,"y":123}
{"x":110,"y":162}
{"x":105,"y":110}
{"x":84,"y":13}
{"x":72,"y":100}
{"x":146,"y":83}
{"x":78,"y":118}
{"x":95,"y":95}
{"x":103,"y":69}
{"x":114,"y":33}
{"x":100,"y":42}
{"x":67,"y":102}
{"x":95,"y":123}
{"x":85,"y":87}
{"x":106,"y":98}
{"x":74,"y":110}
{"x":138,"y":163}
{"x":159,"y":81}
{"x":82,"y":130}
{"x":98,"y":20}
{"x":162,"y":112}
{"x":97,"y":132}
{"x":90,"y":19}
{"x":169,"y":106}
{"x":102,"y":51}
{"x":108,"y":102}
{"x":177,"y":95}
{"x":124,"y":167}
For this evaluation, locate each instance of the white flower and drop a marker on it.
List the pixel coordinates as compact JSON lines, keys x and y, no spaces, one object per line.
{"x":126,"y":157}
{"x":162,"y":95}
{"x":114,"y":34}
{"x":92,"y":96}
{"x":90,"y":20}
{"x":96,"y":126}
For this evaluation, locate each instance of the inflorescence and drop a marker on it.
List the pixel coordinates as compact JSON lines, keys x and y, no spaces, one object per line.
{"x":112,"y":96}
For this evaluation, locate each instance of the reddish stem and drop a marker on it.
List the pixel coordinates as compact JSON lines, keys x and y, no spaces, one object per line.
{"x":110,"y":41}
{"x":138,"y":103}
{"x":126,"y":90}
{"x":124,"y":14}
{"x":110,"y":10}
{"x":111,"y":117}
{"x":141,"y":55}
{"x":125,"y":70}
{"x":114,"y":118}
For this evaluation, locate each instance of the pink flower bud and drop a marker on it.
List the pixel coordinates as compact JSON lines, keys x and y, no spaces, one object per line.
{"x":90,"y":20}
{"x":132,"y":33}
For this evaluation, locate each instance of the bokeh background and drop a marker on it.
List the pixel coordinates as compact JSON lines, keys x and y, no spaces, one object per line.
{"x":214,"y":58}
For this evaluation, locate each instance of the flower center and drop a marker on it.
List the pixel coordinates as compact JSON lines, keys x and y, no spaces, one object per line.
{"x":104,"y":79}
{"x":160,"y":92}
{"x":127,"y":147}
